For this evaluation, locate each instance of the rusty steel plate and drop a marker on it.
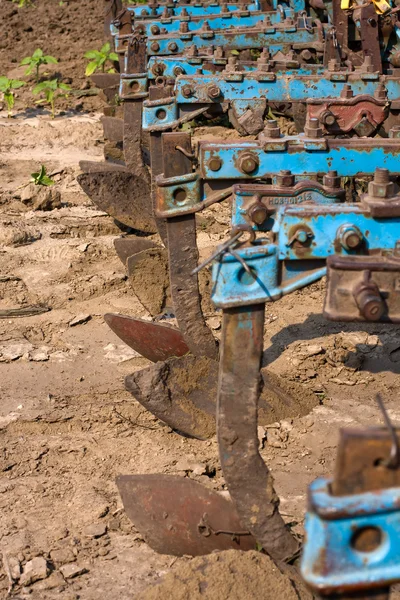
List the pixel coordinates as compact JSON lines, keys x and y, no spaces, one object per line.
{"x":179,"y":516}
{"x":91,"y":166}
{"x":113,"y":128}
{"x":155,"y":341}
{"x":105,"y":80}
{"x":122,"y":195}
{"x":125,"y":247}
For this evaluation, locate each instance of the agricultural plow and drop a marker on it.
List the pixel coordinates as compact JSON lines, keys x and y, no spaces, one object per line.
{"x":332,"y":69}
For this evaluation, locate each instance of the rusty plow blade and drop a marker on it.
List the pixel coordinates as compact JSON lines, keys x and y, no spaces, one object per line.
{"x":122,"y":195}
{"x":182,"y":393}
{"x":155,"y":341}
{"x":179,"y":516}
{"x":125,"y":247}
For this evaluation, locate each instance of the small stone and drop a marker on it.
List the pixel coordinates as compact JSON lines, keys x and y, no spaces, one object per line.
{"x":83,"y":247}
{"x":286,"y":426}
{"x":95,"y":530}
{"x":54,"y":580}
{"x":39,"y":355}
{"x":312,"y":350}
{"x":34,"y":570}
{"x":72,"y":570}
{"x":198,"y":469}
{"x":47,"y":198}
{"x":214,"y":322}
{"x":14,"y":351}
{"x":113,"y":524}
{"x":261,"y":434}
{"x":80,"y":320}
{"x":28,"y":193}
{"x":62,"y":556}
{"x":85,"y":85}
{"x":15,"y":567}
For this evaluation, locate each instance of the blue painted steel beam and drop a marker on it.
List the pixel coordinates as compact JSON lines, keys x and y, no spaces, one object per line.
{"x":272,"y":37}
{"x":347,"y":157}
{"x":198,"y":9}
{"x":282,"y":87}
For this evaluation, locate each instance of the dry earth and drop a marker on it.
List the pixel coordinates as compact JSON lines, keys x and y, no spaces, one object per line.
{"x":67,"y":425}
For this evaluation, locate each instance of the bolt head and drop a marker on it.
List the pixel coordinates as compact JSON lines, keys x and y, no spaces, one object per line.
{"x":248,"y":162}
{"x":155,"y":30}
{"x":154,"y":47}
{"x":285,"y":179}
{"x":172,"y":46}
{"x":258,"y":213}
{"x":213,"y":91}
{"x":215,"y":163}
{"x":187,"y":91}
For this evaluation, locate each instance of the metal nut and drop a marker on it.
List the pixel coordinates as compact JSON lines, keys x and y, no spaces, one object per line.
{"x":350,"y":236}
{"x":285,"y":178}
{"x":172,"y":46}
{"x":155,"y":46}
{"x":258,"y":213}
{"x":187,"y":91}
{"x":331,"y":180}
{"x":248,"y":162}
{"x":312,"y":129}
{"x":213,"y":91}
{"x":154,"y":29}
{"x":381,"y":186}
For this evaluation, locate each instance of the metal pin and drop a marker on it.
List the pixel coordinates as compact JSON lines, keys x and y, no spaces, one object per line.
{"x":393,"y":462}
{"x":220,"y":250}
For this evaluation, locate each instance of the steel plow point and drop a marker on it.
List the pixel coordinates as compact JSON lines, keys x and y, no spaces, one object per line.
{"x":130,"y":245}
{"x":182,"y":392}
{"x":113,"y":128}
{"x":105,"y":80}
{"x":179,"y":516}
{"x":155,"y":341}
{"x":90,"y":166}
{"x":122,"y":195}
{"x":149,"y":278}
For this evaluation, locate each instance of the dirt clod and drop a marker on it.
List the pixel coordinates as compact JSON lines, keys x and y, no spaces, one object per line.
{"x":230,"y":575}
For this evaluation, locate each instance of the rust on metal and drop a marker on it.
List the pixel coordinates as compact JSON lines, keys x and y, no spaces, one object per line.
{"x":155,"y":341}
{"x":249,"y":480}
{"x":122,"y":195}
{"x":179,"y":516}
{"x":127,"y":246}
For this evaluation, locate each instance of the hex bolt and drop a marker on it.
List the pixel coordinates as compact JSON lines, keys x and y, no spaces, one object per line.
{"x":272,"y":130}
{"x":215,"y":163}
{"x":219,"y":52}
{"x":380,"y":92}
{"x":158,"y":69}
{"x":350,"y":236}
{"x":187,"y":91}
{"x":331,"y":180}
{"x":154,"y":29}
{"x":224,"y":7}
{"x":369,"y":301}
{"x":327,"y":118}
{"x":312,"y":129}
{"x":333,"y":65}
{"x":306,"y":54}
{"x":154,"y":47}
{"x":184,"y":13}
{"x":394,"y":132}
{"x":258,"y":213}
{"x":248,"y":162}
{"x":213,"y":91}
{"x":367,"y":65}
{"x":183,"y":27}
{"x":346,"y":92}
{"x":381,"y":175}
{"x":267,"y":21}
{"x":381,"y":186}
{"x":232,"y":65}
{"x":172,"y":46}
{"x":284,"y":178}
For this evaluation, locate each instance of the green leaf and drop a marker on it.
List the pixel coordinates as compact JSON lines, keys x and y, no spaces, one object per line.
{"x":15,"y":84}
{"x":91,"y":54}
{"x":50,"y":60}
{"x":46,"y":180}
{"x":91,"y":68}
{"x":113,"y":56}
{"x":64,"y":86}
{"x":38,"y":53}
{"x":40,"y":87}
{"x":106,"y":48}
{"x":4,"y":84}
{"x":26,"y":60}
{"x":29,"y":70}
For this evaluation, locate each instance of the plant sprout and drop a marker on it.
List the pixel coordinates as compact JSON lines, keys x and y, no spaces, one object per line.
{"x":98,"y":59}
{"x":7,"y":86}
{"x":35,"y":61}
{"x":51,"y":90}
{"x":22,"y":3}
{"x":41,"y":178}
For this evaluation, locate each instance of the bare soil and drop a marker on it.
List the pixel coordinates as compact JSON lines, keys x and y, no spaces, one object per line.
{"x":67,"y":425}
